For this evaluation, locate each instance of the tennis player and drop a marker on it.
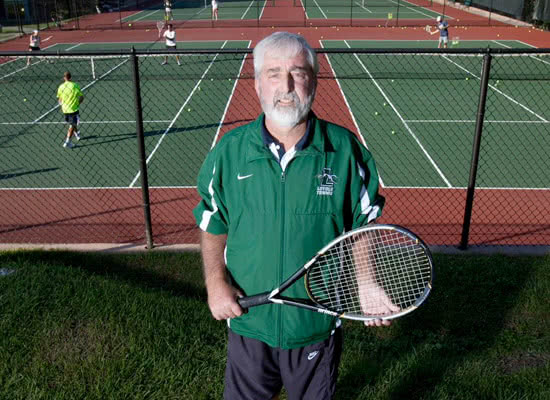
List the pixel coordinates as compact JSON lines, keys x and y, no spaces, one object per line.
{"x":171,"y":45}
{"x":215,"y":10}
{"x":70,"y":97}
{"x":168,"y":11}
{"x":34,"y":44}
{"x":273,"y":192}
{"x":443,"y":29}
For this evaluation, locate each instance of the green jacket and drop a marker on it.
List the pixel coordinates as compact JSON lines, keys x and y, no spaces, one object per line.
{"x":276,"y":221}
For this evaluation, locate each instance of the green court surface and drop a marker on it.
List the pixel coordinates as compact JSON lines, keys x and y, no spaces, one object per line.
{"x":367,"y":9}
{"x":200,"y":10}
{"x":429,"y":102}
{"x":183,"y":108}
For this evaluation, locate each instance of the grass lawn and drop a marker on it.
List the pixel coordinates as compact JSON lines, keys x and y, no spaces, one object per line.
{"x":103,"y":326}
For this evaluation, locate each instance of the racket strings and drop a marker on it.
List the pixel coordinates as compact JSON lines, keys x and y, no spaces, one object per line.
{"x":375,"y":272}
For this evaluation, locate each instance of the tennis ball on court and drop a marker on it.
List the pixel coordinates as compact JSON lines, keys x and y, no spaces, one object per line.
{"x":393,"y":132}
{"x":467,"y":78}
{"x":392,"y":80}
{"x":129,"y":24}
{"x":22,"y":10}
{"x":199,"y":88}
{"x":385,"y":104}
{"x":376,"y":113}
{"x":188,"y":110}
{"x":24,"y":99}
{"x":211,"y":79}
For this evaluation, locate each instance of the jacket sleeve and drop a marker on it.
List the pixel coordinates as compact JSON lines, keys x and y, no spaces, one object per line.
{"x":367,"y":203}
{"x":211,"y":212}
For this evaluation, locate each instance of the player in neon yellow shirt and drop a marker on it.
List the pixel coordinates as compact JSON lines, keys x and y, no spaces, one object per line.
{"x":70,"y":97}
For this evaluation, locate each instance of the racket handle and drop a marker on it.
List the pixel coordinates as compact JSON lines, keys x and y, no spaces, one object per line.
{"x":253,"y":301}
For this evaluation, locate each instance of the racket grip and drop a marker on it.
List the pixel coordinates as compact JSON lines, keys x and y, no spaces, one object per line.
{"x":253,"y":301}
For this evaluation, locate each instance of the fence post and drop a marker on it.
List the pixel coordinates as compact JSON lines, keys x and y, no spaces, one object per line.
{"x":475,"y":151}
{"x":397,"y":14}
{"x":141,"y":152}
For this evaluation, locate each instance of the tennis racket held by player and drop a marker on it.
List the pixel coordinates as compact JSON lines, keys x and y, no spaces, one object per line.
{"x":376,"y":272}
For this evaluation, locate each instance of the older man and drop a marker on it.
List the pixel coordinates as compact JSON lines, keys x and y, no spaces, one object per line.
{"x":273,"y":193}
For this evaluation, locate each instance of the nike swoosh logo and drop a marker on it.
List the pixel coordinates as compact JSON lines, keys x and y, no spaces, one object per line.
{"x":239,"y":177}
{"x":312,"y":355}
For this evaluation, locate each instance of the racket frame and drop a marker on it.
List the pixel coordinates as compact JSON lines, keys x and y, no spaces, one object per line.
{"x":310,"y":304}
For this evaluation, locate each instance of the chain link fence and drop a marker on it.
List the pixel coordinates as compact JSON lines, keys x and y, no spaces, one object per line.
{"x":461,"y":140}
{"x":27,"y":15}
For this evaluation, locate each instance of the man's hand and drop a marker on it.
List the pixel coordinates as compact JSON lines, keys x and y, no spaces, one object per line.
{"x":222,"y":299}
{"x":222,"y":295}
{"x":375,"y":301}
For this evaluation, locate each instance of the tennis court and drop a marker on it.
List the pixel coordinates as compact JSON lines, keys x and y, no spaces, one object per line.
{"x":431,"y":131}
{"x":415,"y":111}
{"x":368,"y":9}
{"x":189,"y":93}
{"x":201,"y":10}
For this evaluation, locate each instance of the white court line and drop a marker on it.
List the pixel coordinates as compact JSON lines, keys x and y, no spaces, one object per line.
{"x":320,"y":9}
{"x":438,"y":121}
{"x":194,"y":187}
{"x":509,"y":47}
{"x":176,"y":117}
{"x":94,"y":188}
{"x":228,"y":102}
{"x":349,"y":108}
{"x":85,"y":122}
{"x":430,"y":159}
{"x":26,"y":66}
{"x":497,"y":90}
{"x":263,"y":9}
{"x":248,"y":8}
{"x":414,"y":9}
{"x":129,"y":16}
{"x":363,"y":7}
{"x":145,"y":16}
{"x":304,"y":8}
{"x":84,"y":88}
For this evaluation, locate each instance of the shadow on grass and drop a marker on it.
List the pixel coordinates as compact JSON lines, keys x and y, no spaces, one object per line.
{"x":466,"y":312}
{"x":179,"y":274}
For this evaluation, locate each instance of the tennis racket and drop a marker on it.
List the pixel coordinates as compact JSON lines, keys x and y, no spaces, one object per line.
{"x":160,"y":26}
{"x":374,"y":272}
{"x":429,"y":30}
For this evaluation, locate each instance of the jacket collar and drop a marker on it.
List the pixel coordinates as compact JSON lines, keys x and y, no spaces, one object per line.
{"x":315,"y":144}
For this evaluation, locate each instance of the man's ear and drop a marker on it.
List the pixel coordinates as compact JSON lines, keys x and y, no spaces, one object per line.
{"x":257,"y":86}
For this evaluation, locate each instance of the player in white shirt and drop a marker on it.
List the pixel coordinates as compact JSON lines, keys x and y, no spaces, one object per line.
{"x":170,"y":36}
{"x":215,"y":9}
{"x":34,"y":44}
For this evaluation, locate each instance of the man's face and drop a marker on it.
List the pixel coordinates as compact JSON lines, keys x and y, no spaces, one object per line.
{"x":286,"y":88}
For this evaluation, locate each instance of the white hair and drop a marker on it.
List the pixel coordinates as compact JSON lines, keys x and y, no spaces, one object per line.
{"x":284,"y":44}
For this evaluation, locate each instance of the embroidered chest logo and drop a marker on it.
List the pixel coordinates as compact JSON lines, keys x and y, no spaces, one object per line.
{"x":326,"y":182}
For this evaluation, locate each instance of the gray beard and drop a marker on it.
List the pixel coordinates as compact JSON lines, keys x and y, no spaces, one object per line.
{"x":287,"y":117}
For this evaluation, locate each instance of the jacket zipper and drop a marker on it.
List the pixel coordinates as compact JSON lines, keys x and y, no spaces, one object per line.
{"x":281,"y":264}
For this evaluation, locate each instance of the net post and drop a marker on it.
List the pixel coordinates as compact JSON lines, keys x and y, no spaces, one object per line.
{"x":141,"y":152}
{"x":475,"y":151}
